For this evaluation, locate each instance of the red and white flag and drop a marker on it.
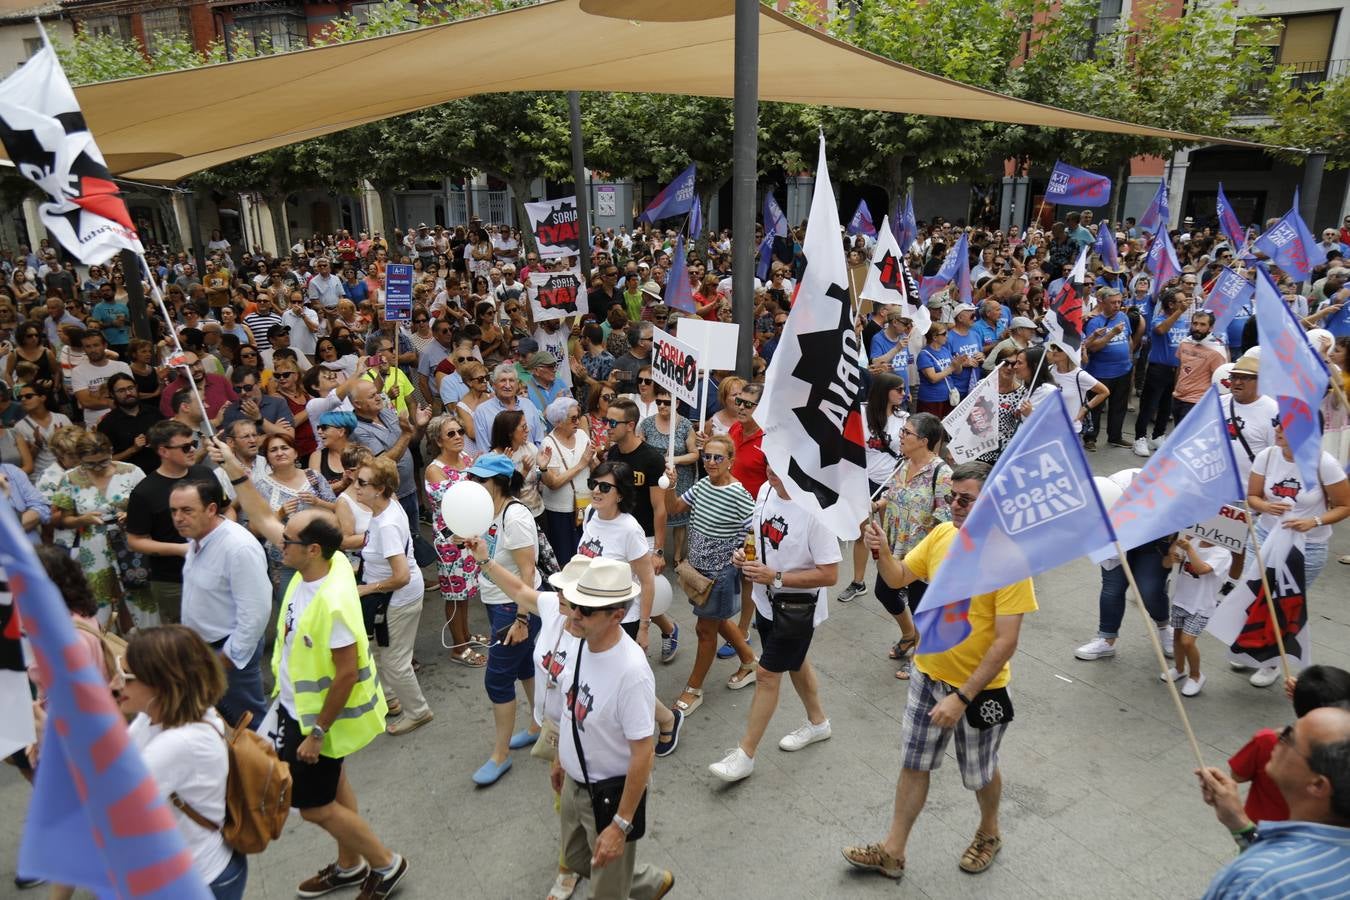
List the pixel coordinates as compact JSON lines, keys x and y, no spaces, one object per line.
{"x":1064,"y":318}
{"x":810,"y":412}
{"x":46,"y":138}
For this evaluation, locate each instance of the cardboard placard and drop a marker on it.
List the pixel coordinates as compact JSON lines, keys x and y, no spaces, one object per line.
{"x":714,"y":343}
{"x":398,"y":285}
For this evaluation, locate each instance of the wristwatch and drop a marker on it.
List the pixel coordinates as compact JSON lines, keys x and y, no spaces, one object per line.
{"x":623,"y":824}
{"x":317,"y":731}
{"x":777,"y":581}
{"x":660,"y":553}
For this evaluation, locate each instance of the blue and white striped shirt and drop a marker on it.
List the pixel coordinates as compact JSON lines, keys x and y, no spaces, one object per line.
{"x":1288,"y":860}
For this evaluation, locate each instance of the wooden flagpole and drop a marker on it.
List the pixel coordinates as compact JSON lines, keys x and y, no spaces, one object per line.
{"x":1265,"y":586}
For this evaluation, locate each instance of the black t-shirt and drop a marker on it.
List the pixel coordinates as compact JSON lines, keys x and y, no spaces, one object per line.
{"x":601,"y":300}
{"x":122,"y":431}
{"x":148,"y":515}
{"x":648,"y":466}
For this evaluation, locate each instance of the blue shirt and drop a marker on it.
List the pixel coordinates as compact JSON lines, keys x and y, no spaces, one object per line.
{"x":881,"y":345}
{"x":1113,"y":360}
{"x":487,"y":411}
{"x":957,"y":343}
{"x":988,"y":334}
{"x":941,"y":358}
{"x":1287,"y":859}
{"x":1162,"y":349}
{"x":356,"y":292}
{"x":107,"y":313}
{"x":1239,"y":322}
{"x":23,"y":497}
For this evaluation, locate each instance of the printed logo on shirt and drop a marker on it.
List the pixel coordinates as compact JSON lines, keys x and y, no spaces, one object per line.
{"x":1287,"y":489}
{"x":1236,"y":424}
{"x":591,"y":549}
{"x":553,"y":664}
{"x":581,"y":701}
{"x":774,"y":531}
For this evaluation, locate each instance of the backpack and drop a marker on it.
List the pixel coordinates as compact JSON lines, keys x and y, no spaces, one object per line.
{"x":114,"y":645}
{"x":257,"y":792}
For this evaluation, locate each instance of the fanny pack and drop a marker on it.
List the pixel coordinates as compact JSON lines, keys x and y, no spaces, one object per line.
{"x":989,"y":708}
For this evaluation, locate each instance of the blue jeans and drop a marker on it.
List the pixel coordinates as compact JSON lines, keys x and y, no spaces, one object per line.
{"x":229,"y":884}
{"x":1149,"y":574}
{"x":243,"y":690}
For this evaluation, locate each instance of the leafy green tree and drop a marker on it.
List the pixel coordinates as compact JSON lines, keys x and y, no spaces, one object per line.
{"x":1316,"y":118}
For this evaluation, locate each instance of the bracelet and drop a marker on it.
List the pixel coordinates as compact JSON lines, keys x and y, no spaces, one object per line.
{"x":1317,"y":520}
{"x":962,"y":697}
{"x":240,"y":480}
{"x":523,"y":619}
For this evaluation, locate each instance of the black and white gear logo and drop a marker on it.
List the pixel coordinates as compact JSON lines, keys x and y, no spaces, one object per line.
{"x":991,"y":711}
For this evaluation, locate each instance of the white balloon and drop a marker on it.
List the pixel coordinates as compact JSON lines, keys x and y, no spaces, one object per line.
{"x":1220,"y":376}
{"x":661,"y":598}
{"x":663,"y":482}
{"x":466,"y":508}
{"x":1123,"y":478}
{"x":1109,"y":490}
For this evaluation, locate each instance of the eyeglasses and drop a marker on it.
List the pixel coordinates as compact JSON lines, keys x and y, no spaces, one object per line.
{"x":746,"y":404}
{"x":909,"y":432}
{"x":718,"y":458}
{"x":606,"y":397}
{"x":962,"y":499}
{"x":615,"y":423}
{"x":287,"y":542}
{"x":189,"y":446}
{"x":604,"y":487}
{"x":420,"y":321}
{"x":645,"y":381}
{"x":660,"y":402}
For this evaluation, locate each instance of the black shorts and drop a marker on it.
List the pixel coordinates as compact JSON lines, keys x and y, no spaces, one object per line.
{"x":312,"y":784}
{"x":777,"y":654}
{"x":895,"y":600}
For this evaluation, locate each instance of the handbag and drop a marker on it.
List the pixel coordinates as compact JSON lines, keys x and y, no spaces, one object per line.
{"x":605,"y":795}
{"x":794,"y":614}
{"x":547,"y":745}
{"x":989,"y":708}
{"x":697,"y":586}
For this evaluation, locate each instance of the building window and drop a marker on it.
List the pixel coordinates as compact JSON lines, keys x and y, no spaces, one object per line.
{"x":31,"y":46}
{"x":116,"y":27}
{"x":165,"y":23}
{"x":1303,"y":44}
{"x":272,"y":33}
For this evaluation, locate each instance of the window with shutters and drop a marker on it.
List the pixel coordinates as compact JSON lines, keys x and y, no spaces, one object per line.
{"x":1302,"y":44}
{"x":118,"y":27}
{"x":161,"y":24}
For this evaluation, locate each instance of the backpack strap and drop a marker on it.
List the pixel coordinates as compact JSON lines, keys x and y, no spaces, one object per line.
{"x":186,"y":809}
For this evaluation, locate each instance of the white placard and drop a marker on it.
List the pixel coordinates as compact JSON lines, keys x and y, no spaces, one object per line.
{"x":714,"y":343}
{"x":1227,"y":530}
{"x":605,"y":202}
{"x":973,"y":425}
{"x":675,"y":366}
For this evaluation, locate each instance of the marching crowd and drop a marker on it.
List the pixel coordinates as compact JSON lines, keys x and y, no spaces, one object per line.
{"x":263,"y":518}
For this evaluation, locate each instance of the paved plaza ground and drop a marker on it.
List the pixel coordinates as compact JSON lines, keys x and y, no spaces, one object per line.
{"x":1099,"y":800}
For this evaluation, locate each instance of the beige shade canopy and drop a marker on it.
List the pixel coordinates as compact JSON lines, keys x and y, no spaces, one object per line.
{"x":165,"y":127}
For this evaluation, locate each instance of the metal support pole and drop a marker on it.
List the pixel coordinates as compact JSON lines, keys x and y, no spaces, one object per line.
{"x":580,"y":183}
{"x":194,"y":226}
{"x":1311,"y":189}
{"x":745,"y":177}
{"x":131,"y":272}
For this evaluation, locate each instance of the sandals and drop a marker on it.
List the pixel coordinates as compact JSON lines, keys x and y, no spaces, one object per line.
{"x":563,"y":886}
{"x":903,"y":648}
{"x":743,"y":676}
{"x":688,"y":706}
{"x":469,"y":657}
{"x":981,"y":852}
{"x":874,"y":858}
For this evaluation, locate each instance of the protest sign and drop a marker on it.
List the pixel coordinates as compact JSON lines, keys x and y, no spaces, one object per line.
{"x":675,"y":366}
{"x":556,"y":227}
{"x":1227,"y":530}
{"x":557,"y":295}
{"x":398,"y":285}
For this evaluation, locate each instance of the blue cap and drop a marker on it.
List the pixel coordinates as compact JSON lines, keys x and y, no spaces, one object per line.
{"x":490,"y":465}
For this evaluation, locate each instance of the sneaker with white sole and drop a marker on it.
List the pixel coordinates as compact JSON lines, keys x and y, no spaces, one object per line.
{"x":805,"y":736}
{"x":1265,"y":677}
{"x":1171,"y":675}
{"x":854,"y":590}
{"x":1097,"y":648}
{"x":1154,"y":443}
{"x":670,"y":645}
{"x":1166,"y":636}
{"x":331,"y":878}
{"x":734,"y":766}
{"x":1193,"y":686}
{"x":1141,"y":448}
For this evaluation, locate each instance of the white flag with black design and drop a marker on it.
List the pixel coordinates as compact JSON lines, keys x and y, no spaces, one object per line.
{"x":813,"y":431}
{"x":46,"y":138}
{"x":890,"y":283}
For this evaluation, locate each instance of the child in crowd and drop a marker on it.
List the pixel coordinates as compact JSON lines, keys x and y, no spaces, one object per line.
{"x":1201,"y":568}
{"x":1315,"y":687}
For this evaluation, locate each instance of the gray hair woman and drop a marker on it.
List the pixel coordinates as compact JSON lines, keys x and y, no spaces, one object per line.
{"x":564,"y":476}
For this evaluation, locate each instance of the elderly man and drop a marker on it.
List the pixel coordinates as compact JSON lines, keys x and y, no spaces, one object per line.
{"x":544,"y":386}
{"x":324,"y":287}
{"x":505,"y":395}
{"x":1021,"y":331}
{"x":383,"y":432}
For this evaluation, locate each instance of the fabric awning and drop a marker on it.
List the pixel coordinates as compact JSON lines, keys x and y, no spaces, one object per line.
{"x":165,"y":127}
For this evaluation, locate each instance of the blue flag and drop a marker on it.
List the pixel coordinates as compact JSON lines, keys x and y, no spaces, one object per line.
{"x":1187,"y":480}
{"x":696,"y":222}
{"x":955,"y":267}
{"x":861,"y":223}
{"x":1230,"y":293}
{"x":679,"y":294}
{"x":906,"y":226}
{"x":675,"y":199}
{"x":1039,"y":509}
{"x":1105,"y":246}
{"x":97,"y":819}
{"x":1292,"y":373}
{"x":1157,"y":216}
{"x":1229,"y":224}
{"x":775,"y":225}
{"x":1077,"y":186}
{"x":1290,"y":245}
{"x":1161,"y":261}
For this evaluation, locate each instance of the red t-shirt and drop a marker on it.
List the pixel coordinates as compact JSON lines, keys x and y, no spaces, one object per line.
{"x":749,"y":467}
{"x":1264,"y":801}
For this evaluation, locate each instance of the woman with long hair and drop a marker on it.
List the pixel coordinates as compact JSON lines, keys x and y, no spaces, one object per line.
{"x":229,"y":324}
{"x":597,"y":413}
{"x":884,"y":418}
{"x":28,"y":347}
{"x":658,"y":431}
{"x":1081,"y":392}
{"x":173,"y":681}
{"x":457,"y":571}
{"x":475,"y":377}
{"x":1037,"y":375}
{"x":492,"y":341}
{"x":936,"y":368}
{"x":287,"y":386}
{"x":288,"y":488}
{"x":511,"y":437}
{"x":480,"y":255}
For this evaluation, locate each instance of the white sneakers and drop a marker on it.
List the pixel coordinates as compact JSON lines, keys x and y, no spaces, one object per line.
{"x":1097,"y":648}
{"x":1141,"y":447}
{"x":1171,"y":675}
{"x":805,"y":736}
{"x":1265,"y":677}
{"x":1166,"y":635}
{"x":734,"y":766}
{"x":1193,"y":686}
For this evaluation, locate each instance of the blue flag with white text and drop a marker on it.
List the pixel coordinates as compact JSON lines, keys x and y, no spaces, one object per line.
{"x":679,"y":293}
{"x":1161,"y":261}
{"x":1038,"y":509}
{"x":1292,"y":373}
{"x":1290,"y":245}
{"x":1229,"y":224}
{"x":1230,"y":293}
{"x":1157,"y":216}
{"x":1077,"y":186}
{"x":775,"y":225}
{"x":906,"y":226}
{"x":695,"y":228}
{"x":861,"y":223}
{"x":675,"y":198}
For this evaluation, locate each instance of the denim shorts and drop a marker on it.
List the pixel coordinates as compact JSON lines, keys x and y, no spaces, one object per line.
{"x":508,"y":664}
{"x":724,"y":600}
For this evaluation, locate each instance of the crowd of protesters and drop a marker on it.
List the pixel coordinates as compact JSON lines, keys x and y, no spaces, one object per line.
{"x":307,"y":435}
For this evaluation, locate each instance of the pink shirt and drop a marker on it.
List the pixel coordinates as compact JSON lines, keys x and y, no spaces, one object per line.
{"x":218,"y":392}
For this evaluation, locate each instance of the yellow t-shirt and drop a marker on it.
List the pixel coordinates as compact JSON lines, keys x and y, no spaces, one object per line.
{"x":954,"y":666}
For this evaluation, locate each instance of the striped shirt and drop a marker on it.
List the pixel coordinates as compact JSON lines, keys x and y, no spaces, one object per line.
{"x":719,"y":512}
{"x":258,"y":323}
{"x":1288,"y":859}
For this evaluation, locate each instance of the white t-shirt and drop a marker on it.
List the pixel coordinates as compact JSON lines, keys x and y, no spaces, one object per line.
{"x":38,"y":436}
{"x":554,"y":651}
{"x":614,"y":703}
{"x":556,"y":345}
{"x":563,"y":499}
{"x":1200,"y":593}
{"x":341,"y":636}
{"x":388,"y":535}
{"x":514,"y":529}
{"x":360,"y":523}
{"x":87,"y":376}
{"x":880,"y":463}
{"x":618,"y":538}
{"x":1076,"y":387}
{"x":788,"y":538}
{"x":1256,"y":423}
{"x":191,"y":761}
{"x":1285,"y":482}
{"x":302,"y":339}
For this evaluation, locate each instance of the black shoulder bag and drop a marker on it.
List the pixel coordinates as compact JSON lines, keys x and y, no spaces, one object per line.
{"x":794,"y":612}
{"x":605,"y":795}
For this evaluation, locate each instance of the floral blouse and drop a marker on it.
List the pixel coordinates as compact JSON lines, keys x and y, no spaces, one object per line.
{"x":913,"y":505}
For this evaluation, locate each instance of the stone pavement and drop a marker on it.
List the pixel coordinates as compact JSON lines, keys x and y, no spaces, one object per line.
{"x":1099,"y":799}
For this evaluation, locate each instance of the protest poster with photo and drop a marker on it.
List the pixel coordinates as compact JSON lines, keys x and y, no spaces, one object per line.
{"x":556,"y":227}
{"x":557,"y":295}
{"x":973,"y":425}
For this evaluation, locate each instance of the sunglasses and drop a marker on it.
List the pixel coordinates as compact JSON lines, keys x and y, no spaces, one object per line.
{"x":587,"y":611}
{"x":660,"y":402}
{"x":606,"y":397}
{"x":603,"y":487}
{"x":714,"y":458}
{"x":362,"y":481}
{"x":963,"y":499}
{"x":190,"y":445}
{"x":645,"y":381}
{"x":27,"y":396}
{"x":615,"y":423}
{"x":746,"y":404}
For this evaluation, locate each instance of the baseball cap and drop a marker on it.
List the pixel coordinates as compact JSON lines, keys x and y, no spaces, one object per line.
{"x":963,"y":307}
{"x":526,"y":346}
{"x":490,"y":465}
{"x":278,"y":328}
{"x":540,"y":358}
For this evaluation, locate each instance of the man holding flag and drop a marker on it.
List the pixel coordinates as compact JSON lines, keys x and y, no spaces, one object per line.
{"x":943,"y":689}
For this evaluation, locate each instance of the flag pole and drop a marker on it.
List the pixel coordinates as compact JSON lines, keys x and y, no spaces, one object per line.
{"x":1152,"y":631}
{"x":1265,"y":586}
{"x":178,"y":348}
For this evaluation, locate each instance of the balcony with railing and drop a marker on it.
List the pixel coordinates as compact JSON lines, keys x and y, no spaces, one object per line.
{"x":1305,"y":74}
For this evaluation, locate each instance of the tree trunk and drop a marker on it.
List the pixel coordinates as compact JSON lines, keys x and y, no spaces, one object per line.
{"x":276,"y":205}
{"x":388,"y":221}
{"x":894,"y":179}
{"x":1118,"y":190}
{"x":520,"y":188}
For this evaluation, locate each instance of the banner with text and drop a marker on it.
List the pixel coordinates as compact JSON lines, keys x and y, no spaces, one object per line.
{"x":556,"y":227}
{"x":1227,"y":530}
{"x":557,"y":295}
{"x":675,"y":366}
{"x":973,"y":426}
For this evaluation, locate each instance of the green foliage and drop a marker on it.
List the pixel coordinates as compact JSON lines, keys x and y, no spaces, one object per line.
{"x":90,"y":58}
{"x":1313,"y":118}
